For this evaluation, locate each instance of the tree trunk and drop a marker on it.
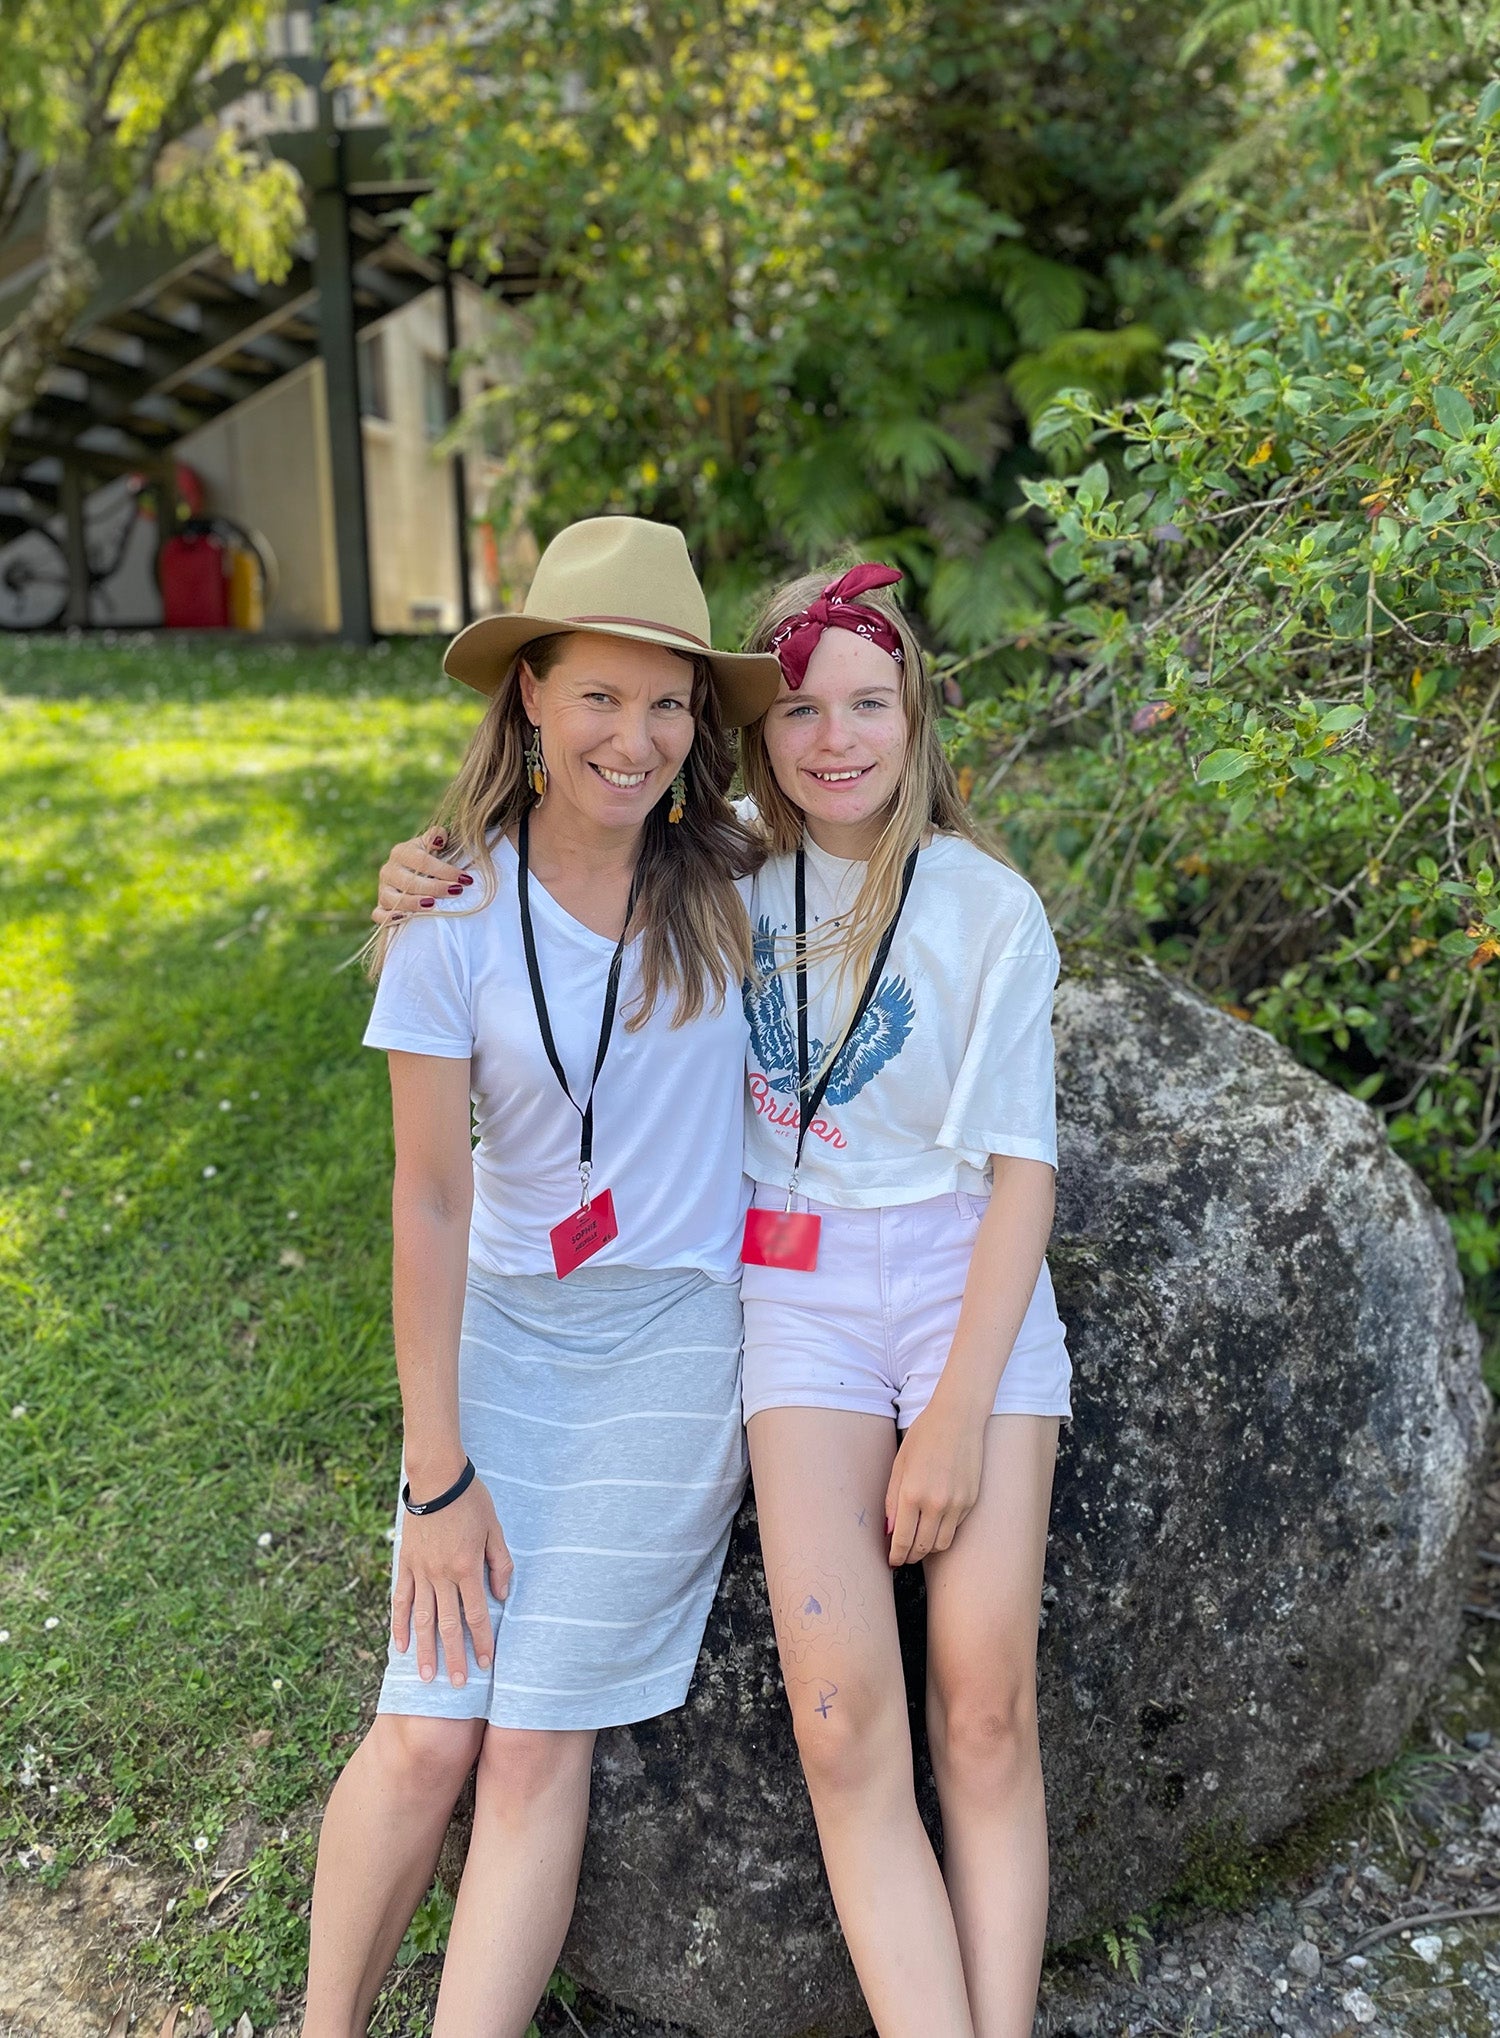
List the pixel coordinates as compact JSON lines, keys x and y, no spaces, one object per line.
{"x":32,"y":341}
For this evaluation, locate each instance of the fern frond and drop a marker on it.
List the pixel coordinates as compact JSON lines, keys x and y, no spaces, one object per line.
{"x":1108,"y":364}
{"x":910,"y":450}
{"x":1006,"y":587}
{"x":822,"y":497}
{"x":1042,"y":298}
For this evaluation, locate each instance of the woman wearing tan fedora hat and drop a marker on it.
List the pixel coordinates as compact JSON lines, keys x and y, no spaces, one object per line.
{"x":566,"y":1304}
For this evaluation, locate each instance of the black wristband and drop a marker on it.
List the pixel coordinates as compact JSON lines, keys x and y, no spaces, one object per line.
{"x":459,"y":1487}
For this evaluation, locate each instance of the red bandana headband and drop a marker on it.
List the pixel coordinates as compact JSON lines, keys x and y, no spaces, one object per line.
{"x":838,"y":608}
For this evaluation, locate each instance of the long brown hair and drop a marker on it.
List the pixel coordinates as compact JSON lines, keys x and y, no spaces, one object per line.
{"x":694,"y":926}
{"x":927,"y":794}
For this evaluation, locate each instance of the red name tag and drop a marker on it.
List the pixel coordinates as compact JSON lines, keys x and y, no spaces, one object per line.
{"x":583,"y":1234}
{"x":781,"y":1238}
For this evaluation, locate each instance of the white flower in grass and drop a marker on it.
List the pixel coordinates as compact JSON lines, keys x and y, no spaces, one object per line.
{"x":255,"y":1096}
{"x":24,"y":1167}
{"x":200,"y":1845}
{"x":263,"y":1540}
{"x":18,"y":1411}
{"x":276,"y":1684}
{"x":225,"y":1105}
{"x":51,"y":1622}
{"x":292,"y":1216}
{"x":4,"y":1636}
{"x":209,"y":1173}
{"x":134,"y":1103}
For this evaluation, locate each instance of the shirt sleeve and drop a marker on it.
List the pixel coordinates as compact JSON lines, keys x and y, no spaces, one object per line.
{"x":422,"y":1003}
{"x":1003,"y":1100}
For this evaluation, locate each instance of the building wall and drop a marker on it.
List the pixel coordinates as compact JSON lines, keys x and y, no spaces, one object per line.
{"x":265,"y":464}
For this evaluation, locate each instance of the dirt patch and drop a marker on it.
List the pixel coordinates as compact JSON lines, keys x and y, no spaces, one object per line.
{"x":57,"y":1948}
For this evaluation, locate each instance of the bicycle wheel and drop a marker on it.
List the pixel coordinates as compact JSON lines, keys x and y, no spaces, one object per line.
{"x":33,"y":576}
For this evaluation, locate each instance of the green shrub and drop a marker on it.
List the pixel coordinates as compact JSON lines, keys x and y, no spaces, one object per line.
{"x":1262,"y":742}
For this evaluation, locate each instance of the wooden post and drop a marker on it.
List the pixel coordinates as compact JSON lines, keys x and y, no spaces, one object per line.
{"x":454,"y":404}
{"x":75,"y":545}
{"x":333,"y":268}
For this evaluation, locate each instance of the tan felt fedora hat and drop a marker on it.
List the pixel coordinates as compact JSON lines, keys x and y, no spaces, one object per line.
{"x":616,"y":577}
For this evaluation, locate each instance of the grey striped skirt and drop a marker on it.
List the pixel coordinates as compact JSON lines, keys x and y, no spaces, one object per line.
{"x":602,"y":1412}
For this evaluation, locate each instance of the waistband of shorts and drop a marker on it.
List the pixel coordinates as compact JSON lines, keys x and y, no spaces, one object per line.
{"x":951,"y":1203}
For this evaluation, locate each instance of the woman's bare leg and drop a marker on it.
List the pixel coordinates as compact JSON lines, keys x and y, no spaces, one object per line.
{"x":820,"y":1481}
{"x":531,"y":1806}
{"x":379,"y":1845}
{"x":983,"y":1597}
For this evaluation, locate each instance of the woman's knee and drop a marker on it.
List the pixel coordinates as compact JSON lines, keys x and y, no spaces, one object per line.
{"x":520,"y":1767}
{"x":428,"y":1757}
{"x":983,"y":1732}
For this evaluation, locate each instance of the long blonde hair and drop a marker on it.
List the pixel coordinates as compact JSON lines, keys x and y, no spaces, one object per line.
{"x":693,"y":923}
{"x":927,"y":795}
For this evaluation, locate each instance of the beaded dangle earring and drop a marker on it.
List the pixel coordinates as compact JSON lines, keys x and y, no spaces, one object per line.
{"x":679,"y":796}
{"x":536,"y":765}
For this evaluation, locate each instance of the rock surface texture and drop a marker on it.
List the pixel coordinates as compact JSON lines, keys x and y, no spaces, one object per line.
{"x":1253,"y":1575}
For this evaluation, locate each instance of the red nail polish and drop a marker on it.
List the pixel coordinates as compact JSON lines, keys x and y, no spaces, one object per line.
{"x":428,"y":902}
{"x":464,"y":878}
{"x":455,"y":891}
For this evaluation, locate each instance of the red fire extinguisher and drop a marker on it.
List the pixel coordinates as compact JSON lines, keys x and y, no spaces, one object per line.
{"x":194,"y":571}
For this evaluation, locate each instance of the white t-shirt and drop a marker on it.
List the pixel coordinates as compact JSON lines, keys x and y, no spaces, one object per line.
{"x":951,"y":1063}
{"x":668,"y":1116}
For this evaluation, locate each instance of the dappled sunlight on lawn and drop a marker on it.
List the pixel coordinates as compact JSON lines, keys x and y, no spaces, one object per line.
{"x":194,"y":1221}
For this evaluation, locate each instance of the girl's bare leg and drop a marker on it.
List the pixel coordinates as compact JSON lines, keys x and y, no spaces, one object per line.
{"x":983,"y":1596}
{"x":531,"y":1805}
{"x":820,"y":1481}
{"x":379,"y":1845}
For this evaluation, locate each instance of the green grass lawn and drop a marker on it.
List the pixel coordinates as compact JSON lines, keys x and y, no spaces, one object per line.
{"x":198,"y":1397}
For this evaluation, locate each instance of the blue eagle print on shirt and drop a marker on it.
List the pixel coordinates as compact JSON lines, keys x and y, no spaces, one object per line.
{"x":879,"y":1037}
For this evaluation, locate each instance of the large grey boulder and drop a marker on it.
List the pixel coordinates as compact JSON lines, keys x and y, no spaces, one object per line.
{"x":1253,"y":1577}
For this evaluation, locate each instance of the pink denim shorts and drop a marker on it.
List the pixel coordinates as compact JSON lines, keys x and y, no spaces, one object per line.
{"x":869,"y":1330}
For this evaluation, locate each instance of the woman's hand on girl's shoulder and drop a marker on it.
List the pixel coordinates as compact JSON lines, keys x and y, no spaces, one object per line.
{"x":440,"y":1583}
{"x":414,"y":877}
{"x":934,"y":1483}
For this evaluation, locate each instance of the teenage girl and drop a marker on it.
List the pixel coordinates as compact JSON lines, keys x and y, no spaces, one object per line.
{"x":905,"y":1369}
{"x":903,"y":1393}
{"x":573,"y":1452}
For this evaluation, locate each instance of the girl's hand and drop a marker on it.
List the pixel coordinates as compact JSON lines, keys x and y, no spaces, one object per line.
{"x":414,"y":877}
{"x":440,"y":1583}
{"x":934,"y":1483}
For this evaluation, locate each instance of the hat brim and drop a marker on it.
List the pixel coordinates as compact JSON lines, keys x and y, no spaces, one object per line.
{"x":746,"y":681}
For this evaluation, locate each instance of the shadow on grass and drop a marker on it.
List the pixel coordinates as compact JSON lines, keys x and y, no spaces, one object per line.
{"x":194,"y":1322}
{"x":144,"y":667}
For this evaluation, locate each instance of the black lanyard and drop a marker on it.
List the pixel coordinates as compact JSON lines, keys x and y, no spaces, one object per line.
{"x":539,"y":999}
{"x":808,"y":1103}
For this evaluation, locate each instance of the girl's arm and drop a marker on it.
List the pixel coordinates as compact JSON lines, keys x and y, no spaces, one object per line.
{"x":414,"y":876}
{"x":440,"y":1581}
{"x":935,"y":1479}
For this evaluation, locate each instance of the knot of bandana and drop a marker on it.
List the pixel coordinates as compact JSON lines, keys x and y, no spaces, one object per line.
{"x":837,"y":607}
